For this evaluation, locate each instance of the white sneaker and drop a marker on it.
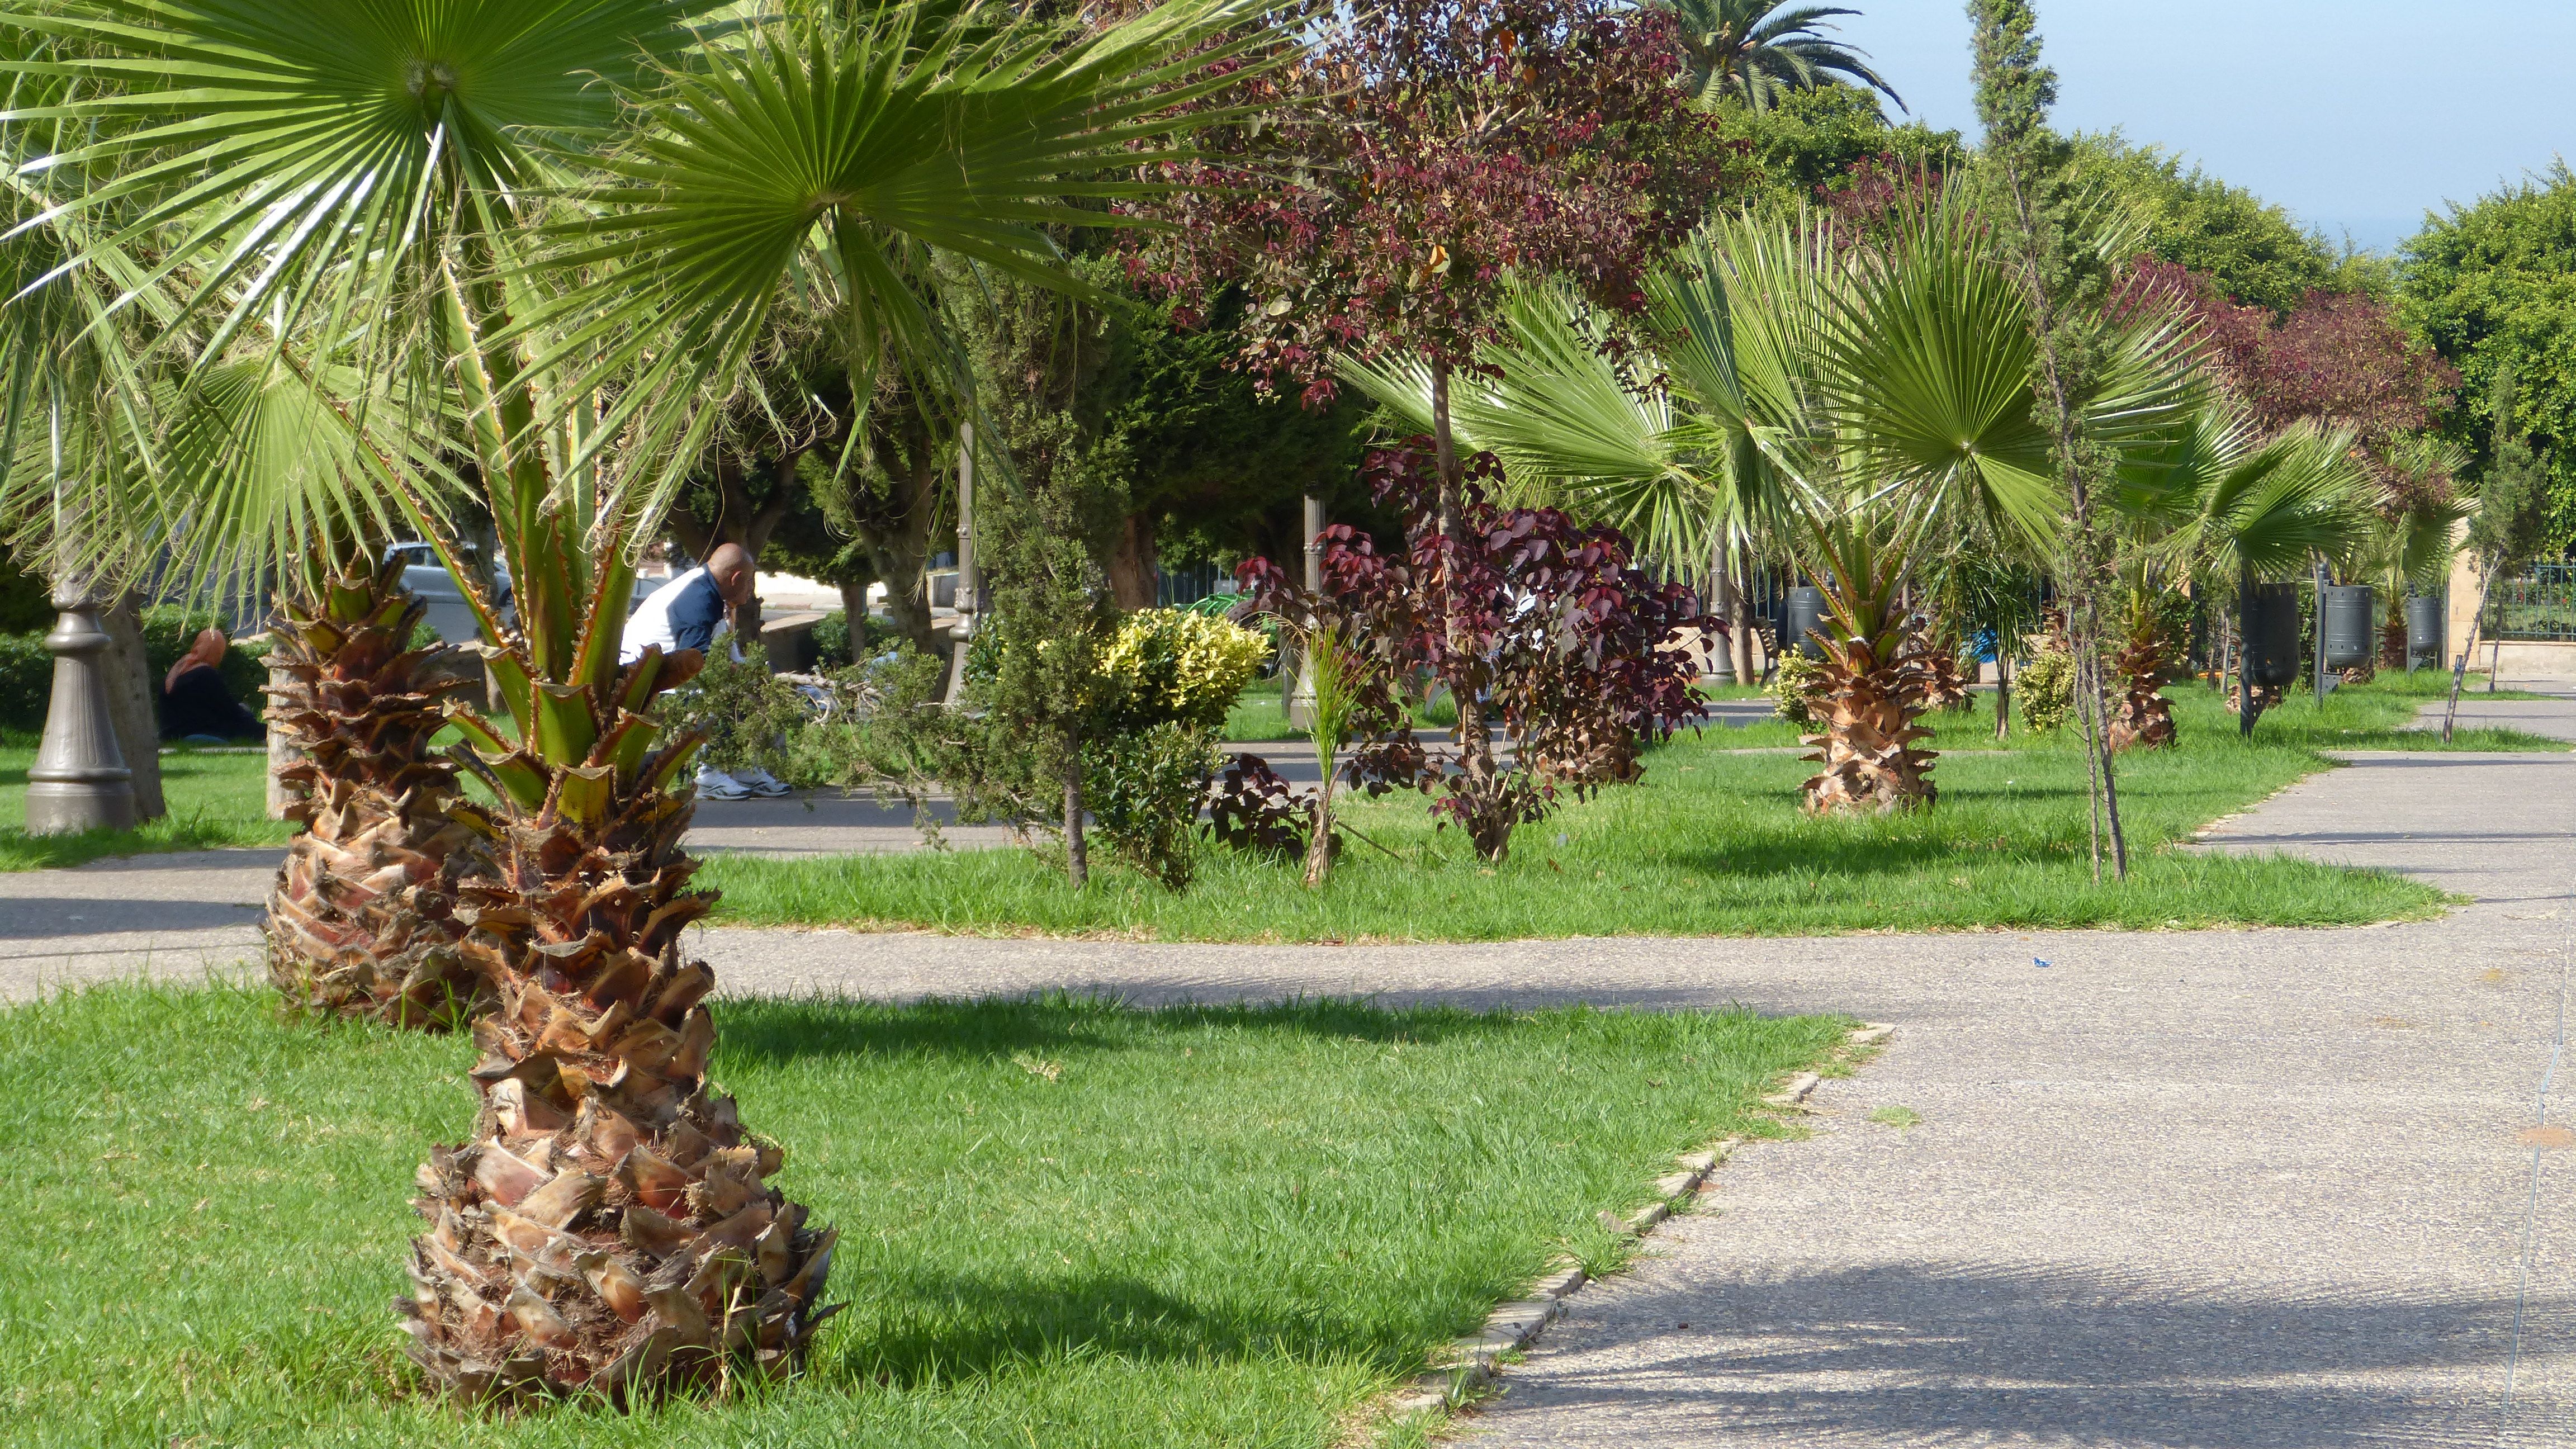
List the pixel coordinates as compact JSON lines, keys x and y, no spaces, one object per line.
{"x":715,"y":784}
{"x":760,"y":782}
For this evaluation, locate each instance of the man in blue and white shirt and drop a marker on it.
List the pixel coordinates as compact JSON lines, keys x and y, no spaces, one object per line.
{"x":693,"y":611}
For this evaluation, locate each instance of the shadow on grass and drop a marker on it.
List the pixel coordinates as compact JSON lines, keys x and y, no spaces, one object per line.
{"x":769,"y":1030}
{"x":931,"y":1329}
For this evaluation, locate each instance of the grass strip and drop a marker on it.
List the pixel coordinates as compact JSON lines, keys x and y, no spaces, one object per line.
{"x":216,"y":801}
{"x":1064,"y":1222}
{"x":1713,"y":843}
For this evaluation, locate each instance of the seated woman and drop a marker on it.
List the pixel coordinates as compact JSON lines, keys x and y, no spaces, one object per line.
{"x":196,"y":705}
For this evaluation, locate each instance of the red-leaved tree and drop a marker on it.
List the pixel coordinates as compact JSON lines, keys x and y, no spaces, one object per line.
{"x":2339,"y":357}
{"x":1391,"y":181}
{"x":1573,"y":651}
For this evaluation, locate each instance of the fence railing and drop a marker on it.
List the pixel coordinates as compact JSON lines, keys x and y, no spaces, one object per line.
{"x":1190,"y":583}
{"x":2539,"y":607}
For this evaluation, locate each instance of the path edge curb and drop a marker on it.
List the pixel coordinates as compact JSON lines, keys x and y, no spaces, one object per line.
{"x":1476,"y":1361}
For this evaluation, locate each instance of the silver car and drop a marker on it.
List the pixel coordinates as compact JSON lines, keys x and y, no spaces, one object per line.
{"x":429,"y":579}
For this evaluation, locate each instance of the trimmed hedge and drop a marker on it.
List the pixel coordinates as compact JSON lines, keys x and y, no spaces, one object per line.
{"x":27,"y":667}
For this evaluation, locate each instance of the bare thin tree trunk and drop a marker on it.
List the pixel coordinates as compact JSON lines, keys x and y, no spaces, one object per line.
{"x":1319,"y":848}
{"x":2003,"y":690}
{"x":2460,"y":669}
{"x":2086,"y":701}
{"x":1077,"y":853}
{"x":1475,"y":742}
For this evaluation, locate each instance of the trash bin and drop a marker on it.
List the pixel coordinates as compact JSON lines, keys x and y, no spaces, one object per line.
{"x":1802,"y":610}
{"x":2272,"y":635}
{"x":2350,"y":611}
{"x":2424,"y":630}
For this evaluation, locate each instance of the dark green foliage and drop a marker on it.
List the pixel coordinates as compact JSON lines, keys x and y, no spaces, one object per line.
{"x":1144,"y":789}
{"x":2514,"y":512}
{"x":1215,"y":466}
{"x":26,"y":603}
{"x":2492,"y":287}
{"x":1810,"y":140}
{"x":749,"y":715}
{"x":27,"y":667}
{"x":2256,"y":253}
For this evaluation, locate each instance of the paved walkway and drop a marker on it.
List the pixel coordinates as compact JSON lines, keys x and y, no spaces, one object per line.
{"x":2238,"y":1188}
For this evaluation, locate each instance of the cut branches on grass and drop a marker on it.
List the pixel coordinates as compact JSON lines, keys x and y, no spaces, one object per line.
{"x":1714,"y":843}
{"x":1189,"y":1227}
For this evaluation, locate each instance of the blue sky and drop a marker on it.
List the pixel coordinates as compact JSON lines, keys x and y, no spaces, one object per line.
{"x":2354,"y":114}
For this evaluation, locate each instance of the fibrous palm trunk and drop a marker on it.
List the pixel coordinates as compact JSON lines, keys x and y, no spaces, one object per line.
{"x":1868,"y":706}
{"x":609,"y":1227}
{"x":361,"y":921}
{"x":2144,"y":719}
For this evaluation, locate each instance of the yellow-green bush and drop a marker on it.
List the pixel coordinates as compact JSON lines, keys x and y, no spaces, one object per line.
{"x":1182,"y":667}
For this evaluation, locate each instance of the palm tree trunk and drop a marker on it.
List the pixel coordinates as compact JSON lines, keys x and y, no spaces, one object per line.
{"x":1319,"y":847}
{"x":2460,"y":669}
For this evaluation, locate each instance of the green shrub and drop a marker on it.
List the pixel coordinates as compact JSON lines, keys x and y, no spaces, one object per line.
{"x":1793,"y":687}
{"x":1178,"y":666}
{"x":2047,"y":688}
{"x":27,"y":667}
{"x":751,"y":717}
{"x":1144,"y":790}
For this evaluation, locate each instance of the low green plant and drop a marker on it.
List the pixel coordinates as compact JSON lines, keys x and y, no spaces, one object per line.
{"x":1793,"y":687}
{"x":1144,"y":788}
{"x":2047,"y":689}
{"x":751,"y":717}
{"x":1181,"y":665}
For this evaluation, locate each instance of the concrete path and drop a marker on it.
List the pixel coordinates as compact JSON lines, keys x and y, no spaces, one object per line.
{"x":2298,"y":1188}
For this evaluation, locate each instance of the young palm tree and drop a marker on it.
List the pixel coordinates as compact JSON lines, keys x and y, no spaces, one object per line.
{"x":2215,"y":499}
{"x":362,"y":921}
{"x":553,"y":231}
{"x":1849,"y":402}
{"x":1747,"y":50}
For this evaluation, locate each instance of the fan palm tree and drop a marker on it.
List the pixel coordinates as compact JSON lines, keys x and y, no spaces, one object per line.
{"x":2216,"y":499}
{"x":550,"y":233}
{"x":1847,"y":404}
{"x":1750,"y":51}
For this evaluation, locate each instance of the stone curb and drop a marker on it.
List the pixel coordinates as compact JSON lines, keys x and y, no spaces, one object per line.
{"x":1474,"y":1362}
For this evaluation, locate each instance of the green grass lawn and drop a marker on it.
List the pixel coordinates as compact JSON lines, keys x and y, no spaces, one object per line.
{"x":1063,"y":1223}
{"x":215,"y":800}
{"x":1713,"y":843}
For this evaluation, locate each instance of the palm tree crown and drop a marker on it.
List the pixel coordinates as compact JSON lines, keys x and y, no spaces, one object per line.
{"x":1743,"y":48}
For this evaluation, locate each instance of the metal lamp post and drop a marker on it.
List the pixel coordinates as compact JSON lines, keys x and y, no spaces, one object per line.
{"x":963,"y":631}
{"x":1301,"y":697}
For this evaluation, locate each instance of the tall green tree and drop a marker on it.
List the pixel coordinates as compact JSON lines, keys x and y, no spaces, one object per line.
{"x":2512,"y":521}
{"x":2255,"y":252}
{"x":2492,"y":286}
{"x":1755,"y":52}
{"x":2049,"y":228}
{"x":546,"y":238}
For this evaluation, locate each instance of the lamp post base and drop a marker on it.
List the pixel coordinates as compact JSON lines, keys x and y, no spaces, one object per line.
{"x":79,"y":780}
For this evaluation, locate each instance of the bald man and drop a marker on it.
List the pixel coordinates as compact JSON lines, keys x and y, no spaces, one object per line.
{"x":692,"y":611}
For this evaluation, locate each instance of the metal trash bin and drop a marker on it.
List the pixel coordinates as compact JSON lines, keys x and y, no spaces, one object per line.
{"x":2350,"y":613}
{"x":2272,"y":635}
{"x":1802,"y":610}
{"x":2424,"y":630}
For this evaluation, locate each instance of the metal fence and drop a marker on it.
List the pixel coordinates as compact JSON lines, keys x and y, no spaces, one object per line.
{"x":2541,"y":606}
{"x":1190,"y":583}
